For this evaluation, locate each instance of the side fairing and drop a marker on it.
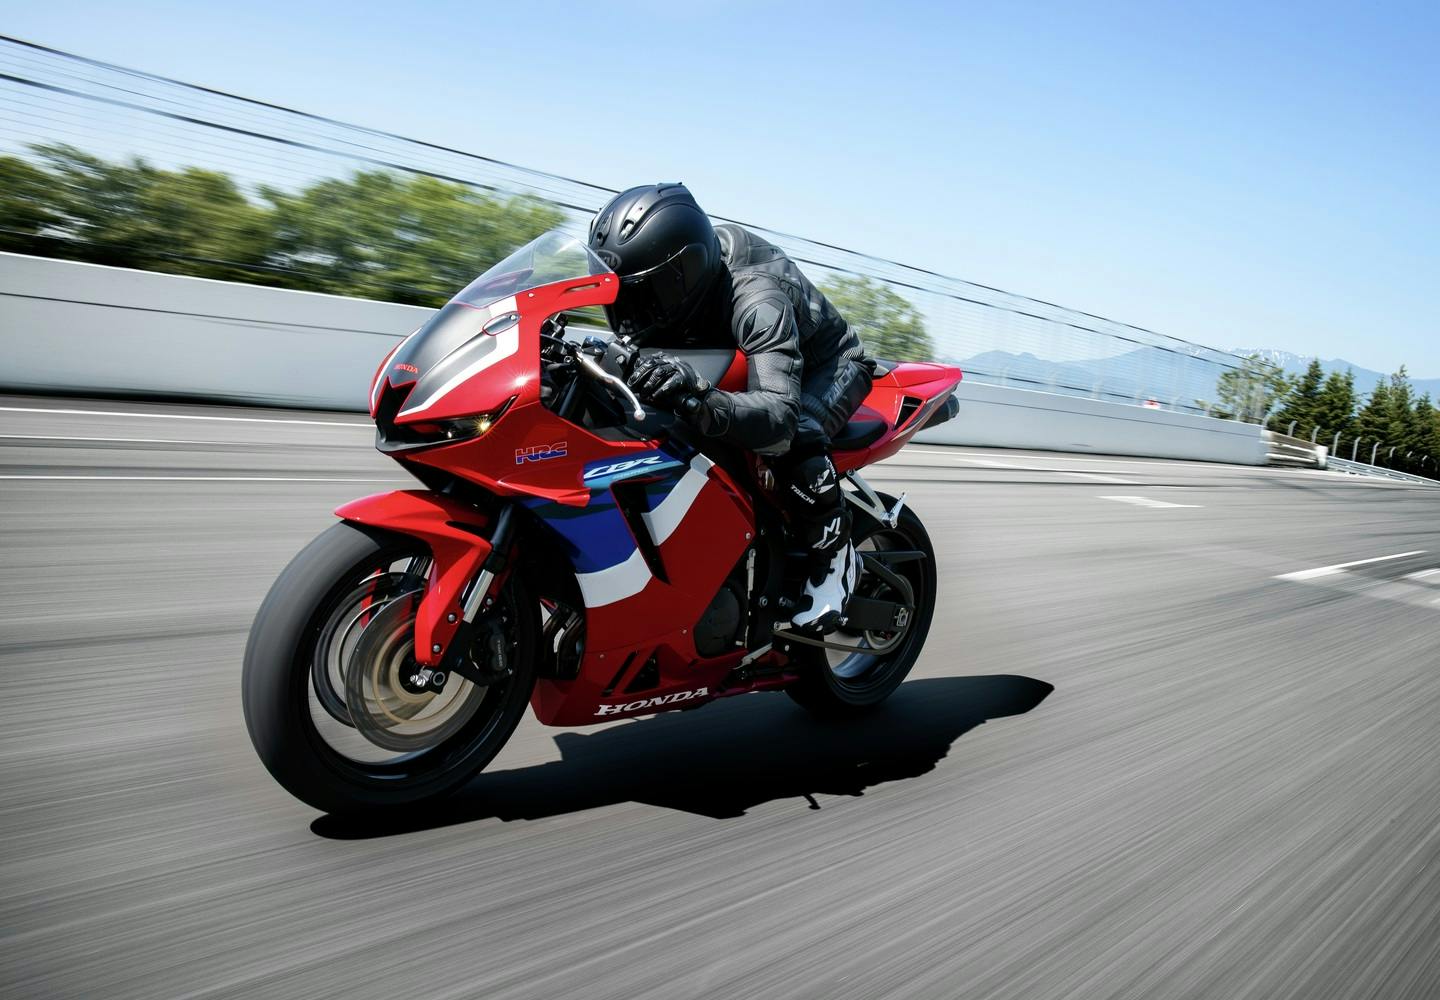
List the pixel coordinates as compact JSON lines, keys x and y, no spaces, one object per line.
{"x":662,"y":531}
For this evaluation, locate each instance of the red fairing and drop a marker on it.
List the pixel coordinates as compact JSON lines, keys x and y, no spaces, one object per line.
{"x":646,"y":574}
{"x":441,"y":523}
{"x":917,"y":382}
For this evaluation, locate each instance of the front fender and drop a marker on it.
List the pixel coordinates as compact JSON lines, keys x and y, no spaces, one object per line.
{"x":454,"y":533}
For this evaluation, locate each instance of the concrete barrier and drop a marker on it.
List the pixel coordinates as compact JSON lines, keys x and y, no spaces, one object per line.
{"x":84,"y":328}
{"x":78,"y":328}
{"x":1002,"y":417}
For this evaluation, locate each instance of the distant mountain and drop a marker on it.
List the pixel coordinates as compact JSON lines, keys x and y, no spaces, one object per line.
{"x":1146,"y":373}
{"x":1365,"y":378}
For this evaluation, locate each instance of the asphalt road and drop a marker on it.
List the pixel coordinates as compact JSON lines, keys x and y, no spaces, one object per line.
{"x":1134,"y":761}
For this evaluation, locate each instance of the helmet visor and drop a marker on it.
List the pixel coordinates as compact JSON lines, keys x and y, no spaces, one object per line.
{"x":662,"y":296}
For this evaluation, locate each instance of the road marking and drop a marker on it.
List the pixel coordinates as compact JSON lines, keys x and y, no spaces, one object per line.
{"x":208,"y":479}
{"x":1310,"y":574}
{"x":991,"y":463}
{"x":110,"y":440}
{"x":1099,"y":479}
{"x":1422,"y":574}
{"x":186,"y":416}
{"x":1149,"y":502}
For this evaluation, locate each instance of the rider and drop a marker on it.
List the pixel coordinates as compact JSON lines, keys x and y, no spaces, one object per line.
{"x":684,"y":284}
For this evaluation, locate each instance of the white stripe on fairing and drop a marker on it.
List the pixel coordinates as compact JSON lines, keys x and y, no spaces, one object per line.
{"x":507,"y":342}
{"x":665,"y":518}
{"x":614,"y":583}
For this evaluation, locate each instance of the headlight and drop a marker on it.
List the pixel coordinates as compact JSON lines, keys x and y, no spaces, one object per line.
{"x":428,"y":433}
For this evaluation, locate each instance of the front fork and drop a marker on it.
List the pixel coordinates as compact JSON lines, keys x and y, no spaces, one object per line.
{"x":477,"y":599}
{"x":470,"y":552}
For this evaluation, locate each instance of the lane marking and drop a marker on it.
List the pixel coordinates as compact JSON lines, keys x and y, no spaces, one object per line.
{"x":112,"y":440}
{"x":1422,"y":574}
{"x":1149,"y":502}
{"x":991,"y":463}
{"x":1310,"y":574}
{"x":186,"y":416}
{"x":206,"y":479}
{"x":1100,"y":479}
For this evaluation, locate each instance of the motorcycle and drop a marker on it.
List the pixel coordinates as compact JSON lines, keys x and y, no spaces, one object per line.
{"x":570,"y":549}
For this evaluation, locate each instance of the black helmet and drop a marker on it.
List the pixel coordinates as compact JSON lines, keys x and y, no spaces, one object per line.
{"x":667,"y":255}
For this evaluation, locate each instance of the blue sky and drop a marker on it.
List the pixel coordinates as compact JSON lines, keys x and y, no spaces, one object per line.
{"x":1237,"y":174}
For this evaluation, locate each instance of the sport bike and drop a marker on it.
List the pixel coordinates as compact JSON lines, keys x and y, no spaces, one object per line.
{"x":568,"y":549}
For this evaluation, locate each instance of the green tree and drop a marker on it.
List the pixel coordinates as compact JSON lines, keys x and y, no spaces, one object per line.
{"x":131,"y":214}
{"x":27,"y":210}
{"x":1302,"y":403}
{"x":1373,"y":420}
{"x":406,"y":239}
{"x":1248,"y":392}
{"x":889,"y":325}
{"x":1335,"y":410}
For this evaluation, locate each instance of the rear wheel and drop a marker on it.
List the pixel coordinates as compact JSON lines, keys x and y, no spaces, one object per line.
{"x":327,"y":696}
{"x":843,"y":683}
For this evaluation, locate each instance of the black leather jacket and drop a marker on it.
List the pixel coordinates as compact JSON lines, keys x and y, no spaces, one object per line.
{"x":808,"y":371}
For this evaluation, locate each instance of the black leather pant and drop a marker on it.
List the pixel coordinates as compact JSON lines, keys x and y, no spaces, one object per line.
{"x":809,"y":484}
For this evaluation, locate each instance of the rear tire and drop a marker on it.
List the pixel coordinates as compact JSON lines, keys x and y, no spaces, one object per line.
{"x":860,"y":682}
{"x":278,"y":678}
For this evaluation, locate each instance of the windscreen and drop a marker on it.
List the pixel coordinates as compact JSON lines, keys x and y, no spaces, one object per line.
{"x":555,"y":256}
{"x":486,"y":304}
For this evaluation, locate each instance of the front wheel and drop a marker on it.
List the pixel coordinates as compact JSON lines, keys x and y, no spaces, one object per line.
{"x":845,"y":683}
{"x":324,"y":690}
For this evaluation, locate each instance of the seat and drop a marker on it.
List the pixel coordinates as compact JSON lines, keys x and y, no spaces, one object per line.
{"x":859,"y":434}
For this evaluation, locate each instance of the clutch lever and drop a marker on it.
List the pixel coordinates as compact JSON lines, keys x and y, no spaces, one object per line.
{"x":589,"y":364}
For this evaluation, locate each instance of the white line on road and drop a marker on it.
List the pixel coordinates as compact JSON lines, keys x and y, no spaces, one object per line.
{"x":108,"y":440}
{"x":208,"y":479}
{"x":1310,"y":574}
{"x":1149,"y":502}
{"x":1100,"y":479}
{"x":1422,"y":574}
{"x":187,"y":416}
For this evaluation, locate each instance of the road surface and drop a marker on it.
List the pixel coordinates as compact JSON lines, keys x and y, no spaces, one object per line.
{"x":1158,"y":746}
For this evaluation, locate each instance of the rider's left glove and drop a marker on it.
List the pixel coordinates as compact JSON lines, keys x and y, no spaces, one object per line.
{"x":666,"y":381}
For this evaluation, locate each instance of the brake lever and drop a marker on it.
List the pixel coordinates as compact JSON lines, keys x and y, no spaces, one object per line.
{"x":588,"y":363}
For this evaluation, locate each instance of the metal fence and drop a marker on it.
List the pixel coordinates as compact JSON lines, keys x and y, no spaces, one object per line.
{"x":48,"y":97}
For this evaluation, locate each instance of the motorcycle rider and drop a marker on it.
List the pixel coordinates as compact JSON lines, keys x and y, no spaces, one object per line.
{"x":687,"y":284}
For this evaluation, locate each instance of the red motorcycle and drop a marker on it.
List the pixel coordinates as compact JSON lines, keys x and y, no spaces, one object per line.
{"x":570,"y":549}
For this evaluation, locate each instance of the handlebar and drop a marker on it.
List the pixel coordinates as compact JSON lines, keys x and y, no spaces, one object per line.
{"x":618,"y":384}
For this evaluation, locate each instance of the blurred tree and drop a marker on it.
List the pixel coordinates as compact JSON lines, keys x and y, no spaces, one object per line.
{"x":27,"y":211}
{"x":1335,"y":410}
{"x":889,"y":325}
{"x":1247,"y":393}
{"x":416,"y":240}
{"x":191,"y":221}
{"x":1302,"y":403}
{"x":1373,"y":420}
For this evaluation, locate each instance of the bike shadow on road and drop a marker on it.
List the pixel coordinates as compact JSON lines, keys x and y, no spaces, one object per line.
{"x":726,"y":759}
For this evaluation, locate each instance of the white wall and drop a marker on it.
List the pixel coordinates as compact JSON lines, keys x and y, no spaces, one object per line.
{"x":85,"y":328}
{"x":1002,"y":417}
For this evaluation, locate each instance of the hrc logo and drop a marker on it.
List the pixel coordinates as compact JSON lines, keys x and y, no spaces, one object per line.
{"x":540,"y":452}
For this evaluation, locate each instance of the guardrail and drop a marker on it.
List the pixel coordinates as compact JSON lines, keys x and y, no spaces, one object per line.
{"x":1361,"y":469}
{"x":1286,"y":450}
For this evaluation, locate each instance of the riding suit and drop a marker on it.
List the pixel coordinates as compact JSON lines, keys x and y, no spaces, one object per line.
{"x":807,"y":370}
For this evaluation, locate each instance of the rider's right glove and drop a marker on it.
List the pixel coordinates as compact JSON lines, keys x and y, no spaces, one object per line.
{"x":667,"y":381}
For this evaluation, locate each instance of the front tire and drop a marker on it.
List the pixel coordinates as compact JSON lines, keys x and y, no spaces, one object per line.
{"x":839,"y":685}
{"x":292,"y":719}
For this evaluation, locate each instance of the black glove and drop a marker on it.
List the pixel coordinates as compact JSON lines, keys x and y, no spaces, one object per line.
{"x":662,"y":380}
